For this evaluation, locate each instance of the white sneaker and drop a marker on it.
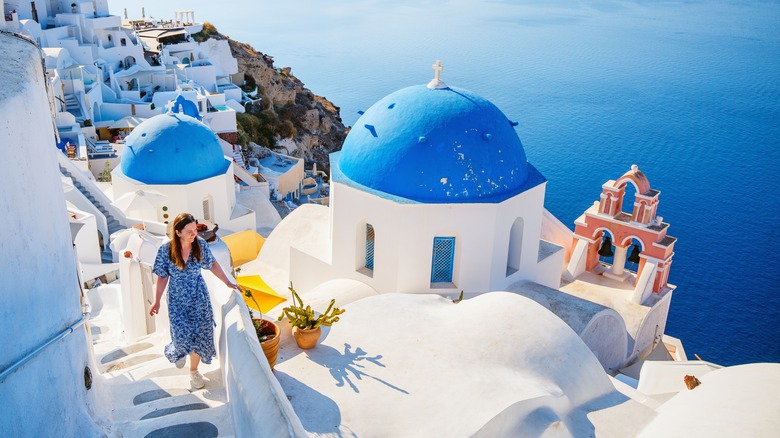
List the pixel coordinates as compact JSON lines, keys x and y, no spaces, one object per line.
{"x":197,"y":379}
{"x":180,"y":363}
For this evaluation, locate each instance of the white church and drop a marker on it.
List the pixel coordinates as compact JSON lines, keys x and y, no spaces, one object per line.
{"x":432,"y":192}
{"x":180,"y":161}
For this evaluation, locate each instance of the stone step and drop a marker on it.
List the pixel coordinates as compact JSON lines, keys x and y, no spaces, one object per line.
{"x":157,"y":394}
{"x":200,"y":429}
{"x":175,"y":410}
{"x":120,"y":353}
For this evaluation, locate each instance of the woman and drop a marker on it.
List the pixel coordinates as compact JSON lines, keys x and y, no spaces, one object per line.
{"x":189,"y":306}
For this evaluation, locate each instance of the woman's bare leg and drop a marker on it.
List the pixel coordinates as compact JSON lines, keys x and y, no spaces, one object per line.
{"x":194,"y":361}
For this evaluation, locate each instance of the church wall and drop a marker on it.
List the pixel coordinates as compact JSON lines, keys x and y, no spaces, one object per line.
{"x":189,"y":198}
{"x":350,"y":210}
{"x":404,"y":241}
{"x":530,"y":206}
{"x":473,"y":246}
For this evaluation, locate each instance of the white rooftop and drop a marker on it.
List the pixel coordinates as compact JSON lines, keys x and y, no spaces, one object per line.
{"x":420,"y":365}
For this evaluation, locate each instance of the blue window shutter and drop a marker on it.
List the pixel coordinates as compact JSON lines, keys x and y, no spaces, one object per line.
{"x":369,"y":246}
{"x":443,"y":259}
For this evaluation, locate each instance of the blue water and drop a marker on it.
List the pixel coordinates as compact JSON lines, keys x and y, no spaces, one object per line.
{"x":688,"y":90}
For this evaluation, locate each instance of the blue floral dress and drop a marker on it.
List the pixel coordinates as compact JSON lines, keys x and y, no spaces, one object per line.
{"x":189,"y":306}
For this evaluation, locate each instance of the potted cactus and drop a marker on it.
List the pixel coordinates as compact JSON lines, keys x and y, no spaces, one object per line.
{"x":307,"y":327}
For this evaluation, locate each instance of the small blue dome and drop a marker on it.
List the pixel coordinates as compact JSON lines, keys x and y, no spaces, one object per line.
{"x":172,"y":149}
{"x":182,"y":105}
{"x":444,"y":145}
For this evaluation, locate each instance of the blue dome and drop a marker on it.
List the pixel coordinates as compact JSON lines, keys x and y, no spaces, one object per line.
{"x":172,"y":149}
{"x":443,"y":145}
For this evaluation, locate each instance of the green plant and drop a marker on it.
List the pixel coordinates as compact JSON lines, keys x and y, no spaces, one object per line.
{"x":105,"y":175}
{"x":263,"y":328}
{"x":206,"y":32}
{"x":460,"y":298}
{"x":304,"y":318}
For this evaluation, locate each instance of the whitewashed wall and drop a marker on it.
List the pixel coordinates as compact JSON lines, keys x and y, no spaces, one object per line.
{"x":40,"y":292}
{"x":404,"y":235}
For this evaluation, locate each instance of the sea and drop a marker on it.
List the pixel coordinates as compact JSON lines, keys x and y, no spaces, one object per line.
{"x":687,"y":90}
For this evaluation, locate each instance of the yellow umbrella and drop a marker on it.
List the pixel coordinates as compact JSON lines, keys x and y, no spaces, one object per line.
{"x":244,"y":246}
{"x":266,"y":297}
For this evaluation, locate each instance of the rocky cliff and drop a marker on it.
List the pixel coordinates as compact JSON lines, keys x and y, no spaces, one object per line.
{"x":289,"y":116}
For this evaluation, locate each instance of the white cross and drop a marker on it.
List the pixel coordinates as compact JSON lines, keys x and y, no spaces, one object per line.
{"x":437,"y":68}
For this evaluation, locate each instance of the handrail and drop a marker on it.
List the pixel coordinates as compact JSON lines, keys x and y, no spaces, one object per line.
{"x":8,"y":371}
{"x":88,"y":184}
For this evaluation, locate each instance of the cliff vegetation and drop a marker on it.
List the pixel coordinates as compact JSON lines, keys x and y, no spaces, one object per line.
{"x":285,"y":116}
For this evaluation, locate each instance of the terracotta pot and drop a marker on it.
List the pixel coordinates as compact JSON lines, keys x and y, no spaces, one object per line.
{"x":306,"y":338}
{"x":270,"y":346}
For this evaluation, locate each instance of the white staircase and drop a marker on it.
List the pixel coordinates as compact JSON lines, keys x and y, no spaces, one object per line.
{"x":73,"y":106}
{"x":150,"y":397}
{"x":238,"y":157}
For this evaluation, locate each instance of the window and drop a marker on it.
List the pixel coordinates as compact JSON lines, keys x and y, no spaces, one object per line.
{"x":515,"y":247}
{"x":207,"y":209}
{"x":369,"y":246}
{"x":443,"y":259}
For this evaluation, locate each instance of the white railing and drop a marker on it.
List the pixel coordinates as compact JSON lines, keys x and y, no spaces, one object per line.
{"x":257,"y":402}
{"x":93,"y":190}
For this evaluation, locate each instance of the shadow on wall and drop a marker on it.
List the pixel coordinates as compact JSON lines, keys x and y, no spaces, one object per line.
{"x":318,"y":413}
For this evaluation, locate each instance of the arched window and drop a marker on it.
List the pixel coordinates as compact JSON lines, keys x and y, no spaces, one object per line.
{"x":369,"y":246}
{"x":443,"y":259}
{"x":123,"y":41}
{"x":515,"y":247}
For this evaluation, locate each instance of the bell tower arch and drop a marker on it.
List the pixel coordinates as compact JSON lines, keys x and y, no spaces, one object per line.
{"x":637,"y":234}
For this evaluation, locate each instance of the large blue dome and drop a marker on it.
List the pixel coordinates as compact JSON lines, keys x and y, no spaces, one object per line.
{"x":444,"y":145}
{"x":172,"y":149}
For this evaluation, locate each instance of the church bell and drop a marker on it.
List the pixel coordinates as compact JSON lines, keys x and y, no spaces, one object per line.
{"x":634,"y":256}
{"x":606,"y":248}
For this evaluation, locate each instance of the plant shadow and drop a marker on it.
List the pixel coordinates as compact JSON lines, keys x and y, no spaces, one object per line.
{"x":350,"y":366}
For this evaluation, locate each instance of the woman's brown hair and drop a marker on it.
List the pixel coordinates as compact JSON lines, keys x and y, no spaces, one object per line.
{"x":181,"y":221}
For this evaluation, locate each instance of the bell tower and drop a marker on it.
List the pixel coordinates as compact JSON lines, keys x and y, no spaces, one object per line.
{"x":606,"y":223}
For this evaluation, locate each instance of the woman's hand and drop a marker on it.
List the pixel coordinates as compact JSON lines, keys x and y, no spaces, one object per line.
{"x":155,"y":308}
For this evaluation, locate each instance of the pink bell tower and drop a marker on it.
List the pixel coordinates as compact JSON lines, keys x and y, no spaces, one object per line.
{"x":642,"y":224}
